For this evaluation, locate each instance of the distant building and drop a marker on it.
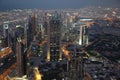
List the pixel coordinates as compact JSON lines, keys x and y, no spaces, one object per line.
{"x":54,"y":38}
{"x":45,"y":26}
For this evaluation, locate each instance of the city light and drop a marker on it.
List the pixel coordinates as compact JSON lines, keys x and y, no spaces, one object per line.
{"x":68,"y":42}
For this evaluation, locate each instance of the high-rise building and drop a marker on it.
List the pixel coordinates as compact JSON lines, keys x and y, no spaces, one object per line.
{"x":81,"y":36}
{"x":40,"y":32}
{"x":83,"y":40}
{"x":20,"y":51}
{"x":86,"y":40}
{"x":54,"y":38}
{"x":31,"y":31}
{"x":19,"y":58}
{"x":6,"y":34}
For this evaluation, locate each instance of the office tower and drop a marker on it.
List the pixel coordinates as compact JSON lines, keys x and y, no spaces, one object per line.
{"x":20,"y":51}
{"x":31,"y":31}
{"x":6,"y":34}
{"x":85,"y":35}
{"x":40,"y":32}
{"x":34,"y":24}
{"x":25,"y":36}
{"x":83,"y":40}
{"x":54,"y":38}
{"x":19,"y":58}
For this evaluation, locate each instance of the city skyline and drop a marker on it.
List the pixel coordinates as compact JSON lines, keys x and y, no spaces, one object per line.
{"x":59,"y":39}
{"x":55,"y":4}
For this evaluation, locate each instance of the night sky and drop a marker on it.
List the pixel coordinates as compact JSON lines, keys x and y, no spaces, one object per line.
{"x":55,"y":4}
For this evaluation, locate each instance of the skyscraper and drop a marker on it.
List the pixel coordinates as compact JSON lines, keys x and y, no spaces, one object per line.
{"x":54,"y":38}
{"x":20,"y":51}
{"x":31,"y":31}
{"x":6,"y":34}
{"x":83,"y":40}
{"x":19,"y":58}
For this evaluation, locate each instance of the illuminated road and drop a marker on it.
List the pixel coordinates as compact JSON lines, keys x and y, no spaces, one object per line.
{"x":13,"y":21}
{"x":38,"y":75}
{"x":7,"y":71}
{"x":66,"y":52}
{"x":5,"y":52}
{"x":7,"y":62}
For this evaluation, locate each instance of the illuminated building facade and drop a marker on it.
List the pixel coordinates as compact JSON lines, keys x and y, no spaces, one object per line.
{"x":83,"y":40}
{"x":54,"y":38}
{"x":85,"y":35}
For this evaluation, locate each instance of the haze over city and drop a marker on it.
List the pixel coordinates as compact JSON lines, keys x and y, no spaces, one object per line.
{"x":55,"y":4}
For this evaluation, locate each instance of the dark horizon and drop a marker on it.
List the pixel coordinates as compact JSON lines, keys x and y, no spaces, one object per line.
{"x":55,"y":4}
